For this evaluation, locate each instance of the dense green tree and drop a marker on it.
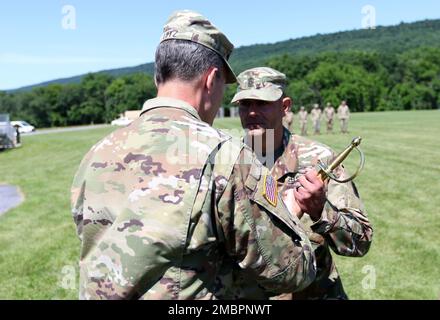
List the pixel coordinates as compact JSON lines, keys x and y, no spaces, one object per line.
{"x":92,"y":109}
{"x":230,"y":91}
{"x":7,"y":103}
{"x":369,"y":81}
{"x":69,"y":101}
{"x":128,"y":93}
{"x":115,"y":99}
{"x":43,"y":106}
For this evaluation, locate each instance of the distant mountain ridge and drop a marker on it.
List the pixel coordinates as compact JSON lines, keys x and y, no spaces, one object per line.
{"x":389,"y":39}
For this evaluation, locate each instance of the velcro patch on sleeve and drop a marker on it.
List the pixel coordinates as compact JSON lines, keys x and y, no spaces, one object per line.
{"x":270,"y":192}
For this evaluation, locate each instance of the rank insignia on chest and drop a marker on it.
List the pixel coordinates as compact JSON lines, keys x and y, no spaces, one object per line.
{"x":270,"y":190}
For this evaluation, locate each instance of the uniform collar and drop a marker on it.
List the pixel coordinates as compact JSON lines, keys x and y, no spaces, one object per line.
{"x":161,"y":102}
{"x":288,"y":161}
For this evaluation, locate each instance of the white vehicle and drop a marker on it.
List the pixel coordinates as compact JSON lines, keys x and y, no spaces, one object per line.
{"x":126,"y":118}
{"x":121,"y":122}
{"x":23,"y":126}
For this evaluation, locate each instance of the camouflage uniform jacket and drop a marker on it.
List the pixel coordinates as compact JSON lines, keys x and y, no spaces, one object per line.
{"x":343,"y":227}
{"x":343,"y":112}
{"x":160,"y":210}
{"x":288,"y":119}
{"x":315,"y":114}
{"x":303,"y":116}
{"x":329,"y":112}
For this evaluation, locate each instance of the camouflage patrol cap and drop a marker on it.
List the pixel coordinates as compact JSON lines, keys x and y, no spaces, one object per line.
{"x":192,"y":26}
{"x":260,"y":84}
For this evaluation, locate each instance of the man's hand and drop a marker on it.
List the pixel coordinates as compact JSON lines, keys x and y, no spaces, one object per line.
{"x":291,"y":204}
{"x":309,"y":193}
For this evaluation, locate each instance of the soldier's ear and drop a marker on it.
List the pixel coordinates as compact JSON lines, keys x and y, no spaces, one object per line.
{"x":287,"y":104}
{"x":211,"y":77}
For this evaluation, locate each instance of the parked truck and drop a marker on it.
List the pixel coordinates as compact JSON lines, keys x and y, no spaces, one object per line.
{"x":9,"y":135}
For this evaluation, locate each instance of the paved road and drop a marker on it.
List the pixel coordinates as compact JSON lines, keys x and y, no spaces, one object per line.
{"x":68,"y":129}
{"x":10,"y":197}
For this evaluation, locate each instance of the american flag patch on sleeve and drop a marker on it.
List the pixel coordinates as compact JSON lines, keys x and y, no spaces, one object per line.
{"x":270,"y":190}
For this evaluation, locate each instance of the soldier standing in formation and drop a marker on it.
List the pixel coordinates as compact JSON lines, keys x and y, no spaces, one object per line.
{"x":333,"y":214}
{"x":315,"y":114}
{"x":302,"y":115}
{"x":344,"y":115}
{"x":329,"y":112}
{"x":156,"y":224}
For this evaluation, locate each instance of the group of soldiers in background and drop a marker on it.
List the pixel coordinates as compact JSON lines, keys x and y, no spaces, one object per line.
{"x":316,"y":113}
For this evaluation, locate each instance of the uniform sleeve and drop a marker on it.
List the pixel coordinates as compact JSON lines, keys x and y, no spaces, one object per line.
{"x":344,"y":222}
{"x":77,"y":195}
{"x":263,"y":239}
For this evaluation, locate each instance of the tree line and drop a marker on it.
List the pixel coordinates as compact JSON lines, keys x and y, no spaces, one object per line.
{"x":98,"y":98}
{"x":368,"y":81}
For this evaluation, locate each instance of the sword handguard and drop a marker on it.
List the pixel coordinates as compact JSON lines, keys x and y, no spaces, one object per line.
{"x":326,"y":172}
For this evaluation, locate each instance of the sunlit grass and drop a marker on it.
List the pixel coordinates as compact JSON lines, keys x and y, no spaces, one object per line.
{"x":400,"y":187}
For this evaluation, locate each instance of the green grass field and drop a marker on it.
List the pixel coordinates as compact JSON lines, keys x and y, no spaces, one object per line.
{"x":400,"y":186}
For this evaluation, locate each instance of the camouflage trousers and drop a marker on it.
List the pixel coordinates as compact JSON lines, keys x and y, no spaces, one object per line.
{"x":303,"y":126}
{"x":317,"y":126}
{"x":329,"y":125}
{"x":344,"y":125}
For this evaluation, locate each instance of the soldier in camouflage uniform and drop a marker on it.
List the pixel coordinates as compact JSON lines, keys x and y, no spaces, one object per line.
{"x":166,"y":206}
{"x":315,"y":114}
{"x":329,"y":112}
{"x":302,"y":115}
{"x":288,"y":120}
{"x":333,"y":215}
{"x":344,"y":115}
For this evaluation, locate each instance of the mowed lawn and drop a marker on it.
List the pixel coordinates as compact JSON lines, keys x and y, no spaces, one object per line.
{"x":400,"y":186}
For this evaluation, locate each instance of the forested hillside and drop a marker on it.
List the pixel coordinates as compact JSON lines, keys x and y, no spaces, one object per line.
{"x":389,"y":68}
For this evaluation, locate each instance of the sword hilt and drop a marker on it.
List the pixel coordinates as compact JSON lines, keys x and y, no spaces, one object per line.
{"x":326,"y":172}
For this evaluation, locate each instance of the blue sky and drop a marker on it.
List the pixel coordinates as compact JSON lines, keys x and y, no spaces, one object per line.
{"x":34,"y":46}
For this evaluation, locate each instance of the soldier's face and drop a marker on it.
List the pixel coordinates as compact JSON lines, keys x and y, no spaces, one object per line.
{"x":257,"y":116}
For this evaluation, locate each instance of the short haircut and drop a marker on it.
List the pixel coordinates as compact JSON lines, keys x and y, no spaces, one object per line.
{"x":183,"y":60}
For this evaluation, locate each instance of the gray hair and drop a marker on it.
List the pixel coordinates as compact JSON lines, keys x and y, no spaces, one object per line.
{"x":183,"y":60}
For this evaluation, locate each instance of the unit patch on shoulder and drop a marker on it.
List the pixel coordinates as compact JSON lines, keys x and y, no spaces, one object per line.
{"x":270,"y":190}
